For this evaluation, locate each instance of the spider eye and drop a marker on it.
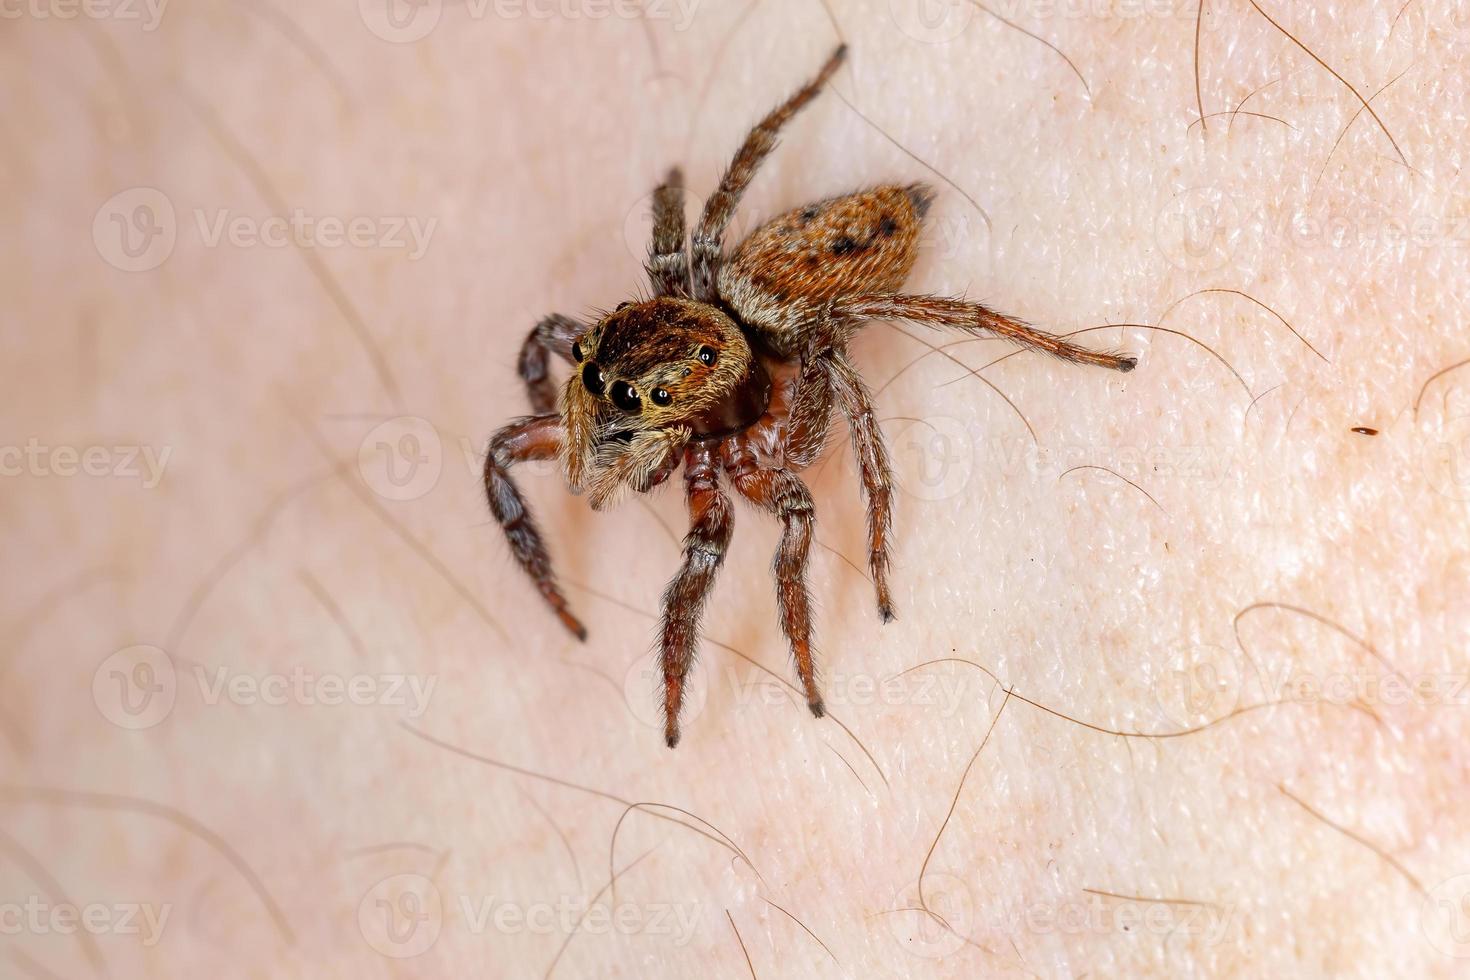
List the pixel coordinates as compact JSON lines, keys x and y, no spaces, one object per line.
{"x":625,"y":397}
{"x":660,"y":396}
{"x":708,"y":356}
{"x":592,"y":378}
{"x":577,"y":352}
{"x":623,"y":305}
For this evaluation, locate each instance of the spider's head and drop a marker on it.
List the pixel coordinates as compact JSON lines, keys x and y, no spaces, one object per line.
{"x":651,"y":365}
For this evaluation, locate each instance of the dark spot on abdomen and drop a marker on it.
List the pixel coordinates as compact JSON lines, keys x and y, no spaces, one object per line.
{"x":887,"y":226}
{"x":843,"y":245}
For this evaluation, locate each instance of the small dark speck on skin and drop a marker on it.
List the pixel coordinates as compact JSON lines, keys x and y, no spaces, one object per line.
{"x":1364,"y":430}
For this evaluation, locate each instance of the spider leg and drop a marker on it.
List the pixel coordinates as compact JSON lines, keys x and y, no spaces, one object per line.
{"x":720,"y":207}
{"x":554,"y":335}
{"x":827,"y":381}
{"x":782,"y":492}
{"x":711,"y":524}
{"x":668,"y":257}
{"x":535,"y":437}
{"x":851,"y":395}
{"x":943,"y":311}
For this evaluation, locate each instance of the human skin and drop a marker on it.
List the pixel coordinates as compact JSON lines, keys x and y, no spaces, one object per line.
{"x":456,"y":814}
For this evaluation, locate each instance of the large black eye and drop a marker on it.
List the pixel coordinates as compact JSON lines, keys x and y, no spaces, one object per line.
{"x":660,"y":397}
{"x":592,"y":377}
{"x":625,"y":397}
{"x":623,"y":305}
{"x":708,"y":356}
{"x":577,"y":352}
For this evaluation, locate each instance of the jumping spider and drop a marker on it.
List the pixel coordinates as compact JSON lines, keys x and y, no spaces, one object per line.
{"x":735,"y":367}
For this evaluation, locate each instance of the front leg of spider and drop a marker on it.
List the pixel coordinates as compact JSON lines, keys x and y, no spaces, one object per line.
{"x":538,"y":437}
{"x":555,"y":334}
{"x":711,"y":525}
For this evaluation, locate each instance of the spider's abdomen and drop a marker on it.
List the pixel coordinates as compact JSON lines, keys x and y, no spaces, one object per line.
{"x":865,"y":242}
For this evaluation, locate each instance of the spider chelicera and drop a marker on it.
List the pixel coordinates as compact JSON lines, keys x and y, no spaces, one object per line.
{"x":733,"y":369}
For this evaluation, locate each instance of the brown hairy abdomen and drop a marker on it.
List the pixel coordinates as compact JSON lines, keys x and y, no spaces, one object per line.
{"x":861,"y":243}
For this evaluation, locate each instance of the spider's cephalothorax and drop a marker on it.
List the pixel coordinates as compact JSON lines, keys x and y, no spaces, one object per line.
{"x":686,"y":378}
{"x":649,"y":376}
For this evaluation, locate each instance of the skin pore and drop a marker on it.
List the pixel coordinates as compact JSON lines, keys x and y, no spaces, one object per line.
{"x":276,"y":701}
